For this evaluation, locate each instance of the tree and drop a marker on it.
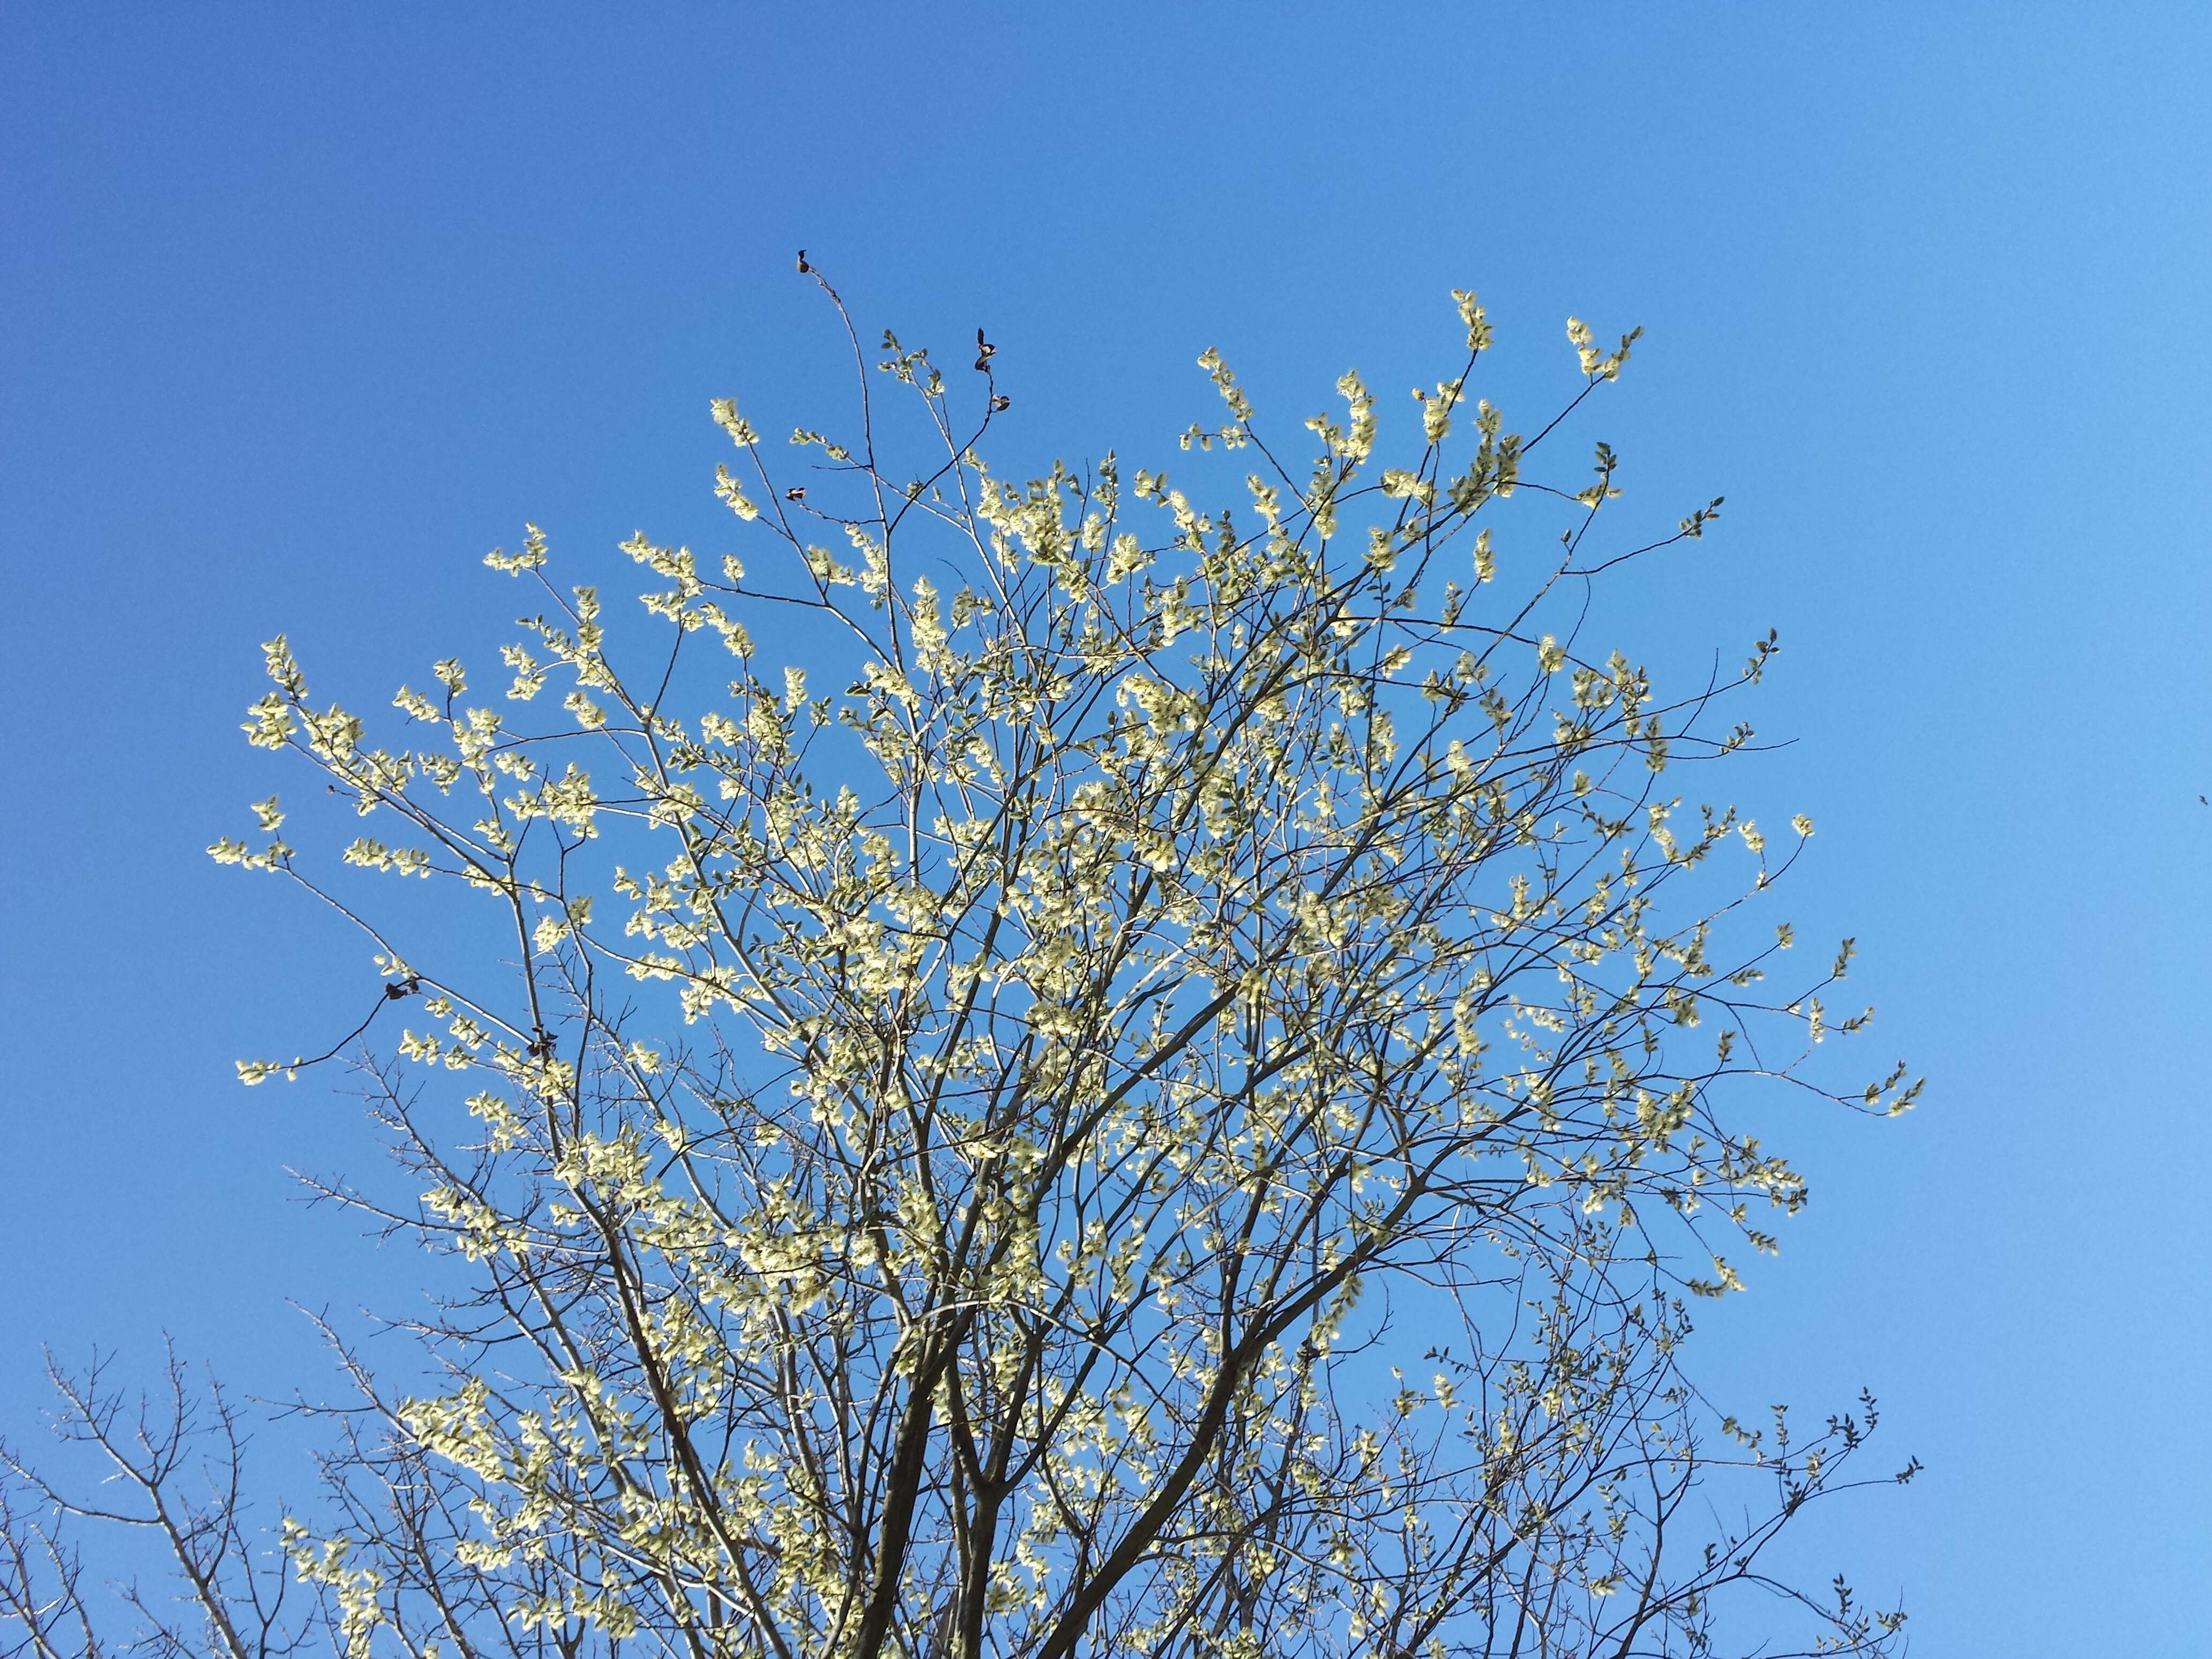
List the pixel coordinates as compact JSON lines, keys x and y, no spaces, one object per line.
{"x":1204,"y":1089}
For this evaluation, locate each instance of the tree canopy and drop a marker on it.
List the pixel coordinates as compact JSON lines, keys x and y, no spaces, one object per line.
{"x":1075,"y":1067}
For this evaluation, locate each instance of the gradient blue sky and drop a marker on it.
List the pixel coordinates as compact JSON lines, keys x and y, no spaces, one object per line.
{"x":302,"y":308}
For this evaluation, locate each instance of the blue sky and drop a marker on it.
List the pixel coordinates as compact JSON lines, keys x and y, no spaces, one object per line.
{"x":302,"y":310}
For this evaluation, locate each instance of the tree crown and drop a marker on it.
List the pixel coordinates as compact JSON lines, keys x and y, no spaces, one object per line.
{"x":1201,"y":1094}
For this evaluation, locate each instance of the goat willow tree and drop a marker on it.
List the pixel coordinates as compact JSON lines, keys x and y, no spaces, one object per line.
{"x":1200,"y":1102}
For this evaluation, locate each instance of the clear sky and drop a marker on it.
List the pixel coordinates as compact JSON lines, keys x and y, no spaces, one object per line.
{"x":303,"y":308}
